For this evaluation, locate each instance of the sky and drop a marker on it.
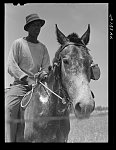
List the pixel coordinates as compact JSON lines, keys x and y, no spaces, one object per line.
{"x":70,"y":17}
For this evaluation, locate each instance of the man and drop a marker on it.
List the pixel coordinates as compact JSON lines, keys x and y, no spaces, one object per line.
{"x":27,"y":58}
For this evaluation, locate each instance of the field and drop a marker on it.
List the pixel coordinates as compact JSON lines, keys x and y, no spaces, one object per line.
{"x":94,"y":129}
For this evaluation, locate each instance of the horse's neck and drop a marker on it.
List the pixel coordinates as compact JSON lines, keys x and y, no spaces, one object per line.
{"x":54,"y":83}
{"x":50,"y":80}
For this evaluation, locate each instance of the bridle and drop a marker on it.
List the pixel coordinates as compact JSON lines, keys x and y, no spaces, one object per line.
{"x":61,"y":89}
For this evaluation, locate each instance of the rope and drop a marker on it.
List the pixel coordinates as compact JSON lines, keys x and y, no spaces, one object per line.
{"x":50,"y":90}
{"x":23,"y":106}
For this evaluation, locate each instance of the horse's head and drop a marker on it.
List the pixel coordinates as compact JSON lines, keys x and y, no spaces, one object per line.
{"x":74,"y":60}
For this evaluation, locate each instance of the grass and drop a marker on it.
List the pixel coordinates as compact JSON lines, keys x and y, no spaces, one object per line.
{"x":94,"y":129}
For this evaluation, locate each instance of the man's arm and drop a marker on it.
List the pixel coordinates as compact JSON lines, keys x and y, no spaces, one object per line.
{"x":13,"y":61}
{"x":45,"y":61}
{"x":43,"y":73}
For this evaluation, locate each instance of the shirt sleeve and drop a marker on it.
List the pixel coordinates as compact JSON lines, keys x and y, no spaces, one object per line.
{"x":13,"y":61}
{"x":45,"y":61}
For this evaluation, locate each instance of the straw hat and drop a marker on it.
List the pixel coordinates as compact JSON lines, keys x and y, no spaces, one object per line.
{"x":33,"y":17}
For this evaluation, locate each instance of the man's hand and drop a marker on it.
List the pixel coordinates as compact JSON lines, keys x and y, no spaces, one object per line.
{"x":41,"y":75}
{"x":30,"y":80}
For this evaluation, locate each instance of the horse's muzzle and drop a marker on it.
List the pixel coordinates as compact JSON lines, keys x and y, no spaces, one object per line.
{"x":83,"y":110}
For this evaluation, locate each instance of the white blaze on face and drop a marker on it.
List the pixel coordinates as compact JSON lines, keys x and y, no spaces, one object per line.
{"x":79,"y":88}
{"x":44,"y":99}
{"x":84,"y":92}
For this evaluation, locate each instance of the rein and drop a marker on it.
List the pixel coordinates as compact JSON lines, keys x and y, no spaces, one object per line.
{"x":24,"y":106}
{"x":63,"y":101}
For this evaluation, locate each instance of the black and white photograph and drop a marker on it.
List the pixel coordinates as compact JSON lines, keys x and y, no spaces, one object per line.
{"x":56,"y":72}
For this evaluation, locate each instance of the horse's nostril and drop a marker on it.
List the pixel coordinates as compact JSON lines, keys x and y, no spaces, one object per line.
{"x":78,"y":107}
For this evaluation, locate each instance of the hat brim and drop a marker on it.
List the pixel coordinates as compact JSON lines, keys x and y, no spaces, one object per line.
{"x":42,"y":22}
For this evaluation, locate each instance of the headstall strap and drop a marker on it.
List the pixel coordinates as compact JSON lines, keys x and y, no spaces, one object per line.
{"x":71,"y":43}
{"x":60,"y":85}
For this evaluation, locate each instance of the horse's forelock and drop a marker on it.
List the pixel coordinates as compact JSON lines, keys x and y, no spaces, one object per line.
{"x":73,"y":37}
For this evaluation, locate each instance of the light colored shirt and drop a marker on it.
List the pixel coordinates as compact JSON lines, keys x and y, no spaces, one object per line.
{"x":26,"y":58}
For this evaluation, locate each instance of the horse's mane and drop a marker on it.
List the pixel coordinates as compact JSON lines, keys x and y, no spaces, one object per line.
{"x":73,"y":37}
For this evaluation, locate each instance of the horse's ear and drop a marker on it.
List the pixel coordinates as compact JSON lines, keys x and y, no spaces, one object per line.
{"x":86,"y":36}
{"x":62,"y":39}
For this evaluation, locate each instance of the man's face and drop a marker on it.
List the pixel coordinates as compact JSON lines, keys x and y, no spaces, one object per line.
{"x":34,"y":28}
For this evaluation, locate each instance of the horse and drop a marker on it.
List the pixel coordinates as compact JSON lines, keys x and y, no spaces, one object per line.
{"x":67,"y":87}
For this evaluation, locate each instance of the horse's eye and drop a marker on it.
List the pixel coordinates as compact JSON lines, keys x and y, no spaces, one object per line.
{"x":65,"y":61}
